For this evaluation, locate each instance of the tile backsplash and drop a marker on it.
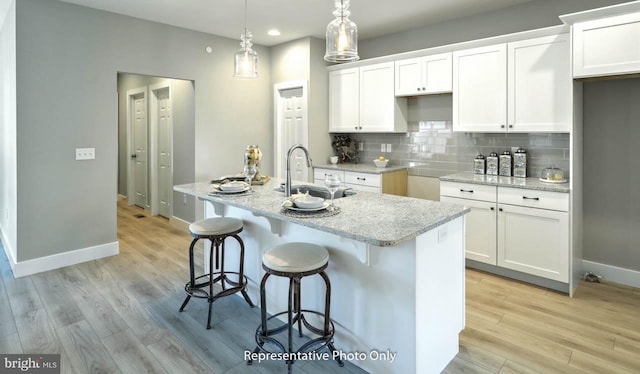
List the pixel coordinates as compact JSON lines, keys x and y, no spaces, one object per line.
{"x":431,"y":149}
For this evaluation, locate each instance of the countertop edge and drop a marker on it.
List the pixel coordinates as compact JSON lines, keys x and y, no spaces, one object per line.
{"x":362,"y":168}
{"x":534,"y":184}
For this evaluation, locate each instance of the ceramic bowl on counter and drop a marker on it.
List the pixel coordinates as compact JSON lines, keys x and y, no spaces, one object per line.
{"x":308,"y":202}
{"x":381,"y":163}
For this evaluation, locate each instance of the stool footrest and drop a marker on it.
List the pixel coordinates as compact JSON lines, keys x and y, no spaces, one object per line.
{"x":197,"y":291}
{"x":312,"y":345}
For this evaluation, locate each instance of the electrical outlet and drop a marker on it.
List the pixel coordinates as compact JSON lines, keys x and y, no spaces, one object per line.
{"x":360,"y":146}
{"x":184,"y":199}
{"x":85,"y":154}
{"x":383,"y":147}
{"x":389,"y":148}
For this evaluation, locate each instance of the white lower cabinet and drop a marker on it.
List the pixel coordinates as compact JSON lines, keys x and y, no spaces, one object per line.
{"x":534,"y":241}
{"x":480,"y":229}
{"x":517,"y":229}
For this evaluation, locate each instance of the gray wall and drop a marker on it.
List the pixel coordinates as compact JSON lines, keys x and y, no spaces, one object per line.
{"x":8,"y":150}
{"x":183,"y":101}
{"x":531,"y":15}
{"x":611,"y":173}
{"x":68,"y":57}
{"x":303,"y":59}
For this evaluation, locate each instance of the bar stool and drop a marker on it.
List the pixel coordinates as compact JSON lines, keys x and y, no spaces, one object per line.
{"x":295,"y":261}
{"x":216,"y":230}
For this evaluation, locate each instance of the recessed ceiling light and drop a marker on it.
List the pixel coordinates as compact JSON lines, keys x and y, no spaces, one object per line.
{"x":273,"y":32}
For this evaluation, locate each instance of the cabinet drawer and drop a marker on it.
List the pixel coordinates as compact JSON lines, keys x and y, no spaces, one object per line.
{"x":468,"y":191}
{"x":360,"y":187}
{"x":320,"y":174}
{"x":534,"y":198}
{"x":363,"y":179}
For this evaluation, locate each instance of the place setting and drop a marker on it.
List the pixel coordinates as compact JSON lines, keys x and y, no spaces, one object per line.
{"x":303,"y":205}
{"x":236,"y":185}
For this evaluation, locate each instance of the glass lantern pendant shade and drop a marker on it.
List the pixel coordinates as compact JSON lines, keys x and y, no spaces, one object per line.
{"x":342,"y":35}
{"x":245,"y":59}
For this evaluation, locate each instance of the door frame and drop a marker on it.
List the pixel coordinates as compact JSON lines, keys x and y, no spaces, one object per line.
{"x":130,"y":178}
{"x":154,"y":138}
{"x":280,"y":155}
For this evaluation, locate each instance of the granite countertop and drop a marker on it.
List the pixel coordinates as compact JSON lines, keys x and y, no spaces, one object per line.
{"x":378,"y":219}
{"x":362,"y":168}
{"x":494,"y":180}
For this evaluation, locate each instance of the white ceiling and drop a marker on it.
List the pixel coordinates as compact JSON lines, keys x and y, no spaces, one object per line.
{"x":295,"y":18}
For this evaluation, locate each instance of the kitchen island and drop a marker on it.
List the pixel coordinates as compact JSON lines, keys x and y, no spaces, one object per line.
{"x":396,"y":268}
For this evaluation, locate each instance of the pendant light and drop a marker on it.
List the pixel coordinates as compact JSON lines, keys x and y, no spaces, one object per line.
{"x":246,"y":59}
{"x":342,"y":35}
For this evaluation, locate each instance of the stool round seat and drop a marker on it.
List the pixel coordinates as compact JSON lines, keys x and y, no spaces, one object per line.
{"x":296,"y":257}
{"x":215,"y":226}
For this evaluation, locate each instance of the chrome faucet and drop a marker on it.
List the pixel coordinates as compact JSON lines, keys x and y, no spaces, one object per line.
{"x":287,"y":184}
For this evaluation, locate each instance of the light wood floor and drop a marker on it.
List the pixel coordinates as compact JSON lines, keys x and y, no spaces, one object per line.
{"x":119,"y":314}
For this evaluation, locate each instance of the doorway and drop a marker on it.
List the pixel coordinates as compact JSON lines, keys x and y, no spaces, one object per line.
{"x":156,"y":119}
{"x":291,"y":127}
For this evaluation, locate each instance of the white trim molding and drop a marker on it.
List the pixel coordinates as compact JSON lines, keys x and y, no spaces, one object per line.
{"x":179,"y":223}
{"x":59,"y":260}
{"x":614,"y":274}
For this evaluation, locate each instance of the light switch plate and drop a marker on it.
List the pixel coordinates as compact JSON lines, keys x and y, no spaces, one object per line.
{"x":85,"y":154}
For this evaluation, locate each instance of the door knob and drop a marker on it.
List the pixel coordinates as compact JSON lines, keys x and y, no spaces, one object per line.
{"x":134,"y":156}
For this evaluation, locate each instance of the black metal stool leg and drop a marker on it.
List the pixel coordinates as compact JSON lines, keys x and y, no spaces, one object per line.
{"x":327,"y":315}
{"x":289,"y":321}
{"x":192,"y":280}
{"x":296,"y":306}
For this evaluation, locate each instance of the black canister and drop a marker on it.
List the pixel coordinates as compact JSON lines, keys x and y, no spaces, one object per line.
{"x":492,"y":164}
{"x":505,"y":164}
{"x":520,"y":163}
{"x":479,"y":165}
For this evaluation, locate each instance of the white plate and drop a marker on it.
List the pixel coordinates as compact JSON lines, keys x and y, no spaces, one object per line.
{"x":221,"y":192}
{"x":552,"y":181}
{"x":233,"y":186}
{"x":324,"y":206}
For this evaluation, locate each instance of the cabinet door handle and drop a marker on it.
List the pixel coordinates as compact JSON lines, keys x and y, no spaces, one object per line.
{"x":500,"y":209}
{"x":502,"y":126}
{"x":469,"y":191}
{"x":530,"y":198}
{"x":492,"y":208}
{"x":361,"y":179}
{"x":510,"y":126}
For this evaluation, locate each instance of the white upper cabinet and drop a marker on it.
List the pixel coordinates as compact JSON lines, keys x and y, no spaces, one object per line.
{"x":480,"y":89}
{"x":362,"y":100}
{"x":539,"y":85}
{"x":424,"y":75}
{"x":344,"y":100}
{"x":607,"y":46}
{"x":522,"y":86}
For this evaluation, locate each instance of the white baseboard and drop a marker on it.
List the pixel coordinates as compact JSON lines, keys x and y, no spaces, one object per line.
{"x":7,"y":249}
{"x":179,"y":223}
{"x":38,"y":265}
{"x":613,"y":273}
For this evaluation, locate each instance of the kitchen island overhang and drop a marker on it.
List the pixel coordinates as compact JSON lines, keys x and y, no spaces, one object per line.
{"x":396,"y":268}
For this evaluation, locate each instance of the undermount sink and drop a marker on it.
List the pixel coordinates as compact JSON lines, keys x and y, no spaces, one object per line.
{"x":318,"y":191}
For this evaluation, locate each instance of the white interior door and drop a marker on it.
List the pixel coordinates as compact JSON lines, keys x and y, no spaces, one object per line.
{"x":291,"y":128}
{"x":139,"y":147}
{"x":164,"y":153}
{"x":162,"y":149}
